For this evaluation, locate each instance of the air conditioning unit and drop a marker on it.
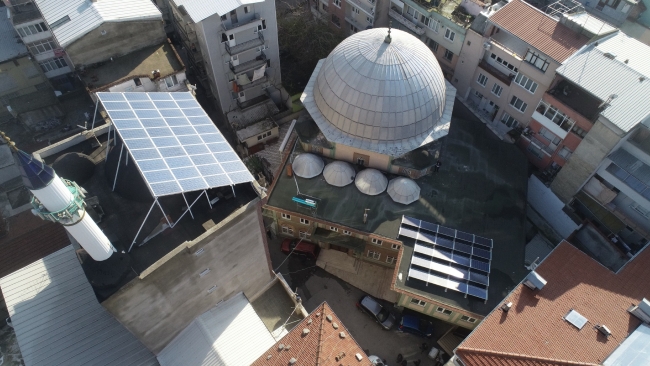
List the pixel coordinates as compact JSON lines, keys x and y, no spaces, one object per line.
{"x":641,"y":311}
{"x":487,"y":45}
{"x":534,"y":281}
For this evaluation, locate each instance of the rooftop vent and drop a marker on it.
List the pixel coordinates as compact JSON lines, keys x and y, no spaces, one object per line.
{"x":292,"y":361}
{"x":575,"y":319}
{"x":603,"y":329}
{"x":335,"y":326}
{"x":506,"y":307}
{"x":534,"y":281}
{"x":305,"y":331}
{"x":342,"y":334}
{"x":358,"y":356}
{"x":641,"y":311}
{"x":339,"y":357}
{"x":329,"y":318}
{"x":281,"y":346}
{"x":610,"y":55}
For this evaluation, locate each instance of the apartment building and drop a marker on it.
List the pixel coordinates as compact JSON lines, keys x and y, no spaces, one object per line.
{"x":506,"y":65}
{"x":352,"y":16}
{"x":440,"y":24}
{"x":64,"y":36}
{"x":604,"y":179}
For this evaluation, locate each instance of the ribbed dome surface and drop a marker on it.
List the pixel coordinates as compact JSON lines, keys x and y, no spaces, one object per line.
{"x":339,"y":173}
{"x":307,"y":165}
{"x":384,"y":97}
{"x":371,"y":182}
{"x":403,"y":190}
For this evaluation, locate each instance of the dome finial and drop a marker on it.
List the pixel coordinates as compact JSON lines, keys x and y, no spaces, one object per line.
{"x":12,"y":145}
{"x":388,"y":39}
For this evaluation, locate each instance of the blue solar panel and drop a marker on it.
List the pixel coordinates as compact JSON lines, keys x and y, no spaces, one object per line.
{"x":464,"y":236}
{"x":447,"y":231}
{"x":483,"y":241}
{"x":483,"y":266}
{"x":429,"y":226}
{"x":173,"y":142}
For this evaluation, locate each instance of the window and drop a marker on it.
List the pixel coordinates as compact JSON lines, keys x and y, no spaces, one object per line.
{"x":285,"y":216}
{"x":449,"y":55}
{"x":395,"y":246}
{"x":565,"y":153}
{"x":336,"y":21}
{"x":353,"y":29}
{"x":507,"y":120}
{"x":224,"y":17}
{"x":345,"y":232}
{"x":555,"y":116}
{"x":287,"y":230}
{"x":432,"y":24}
{"x":32,"y":29}
{"x":247,"y":9}
{"x":264,"y":135}
{"x":324,"y":7}
{"x":171,"y":81}
{"x":440,"y":309}
{"x":468,"y":319}
{"x":579,"y":131}
{"x":549,"y":136}
{"x":262,"y":26}
{"x":53,"y":64}
{"x":304,"y":221}
{"x":337,"y":3}
{"x":355,"y":10}
{"x":224,"y":37}
{"x":375,"y":241}
{"x":537,"y":60}
{"x":497,"y":90}
{"x":418,"y":302}
{"x":304,"y":234}
{"x":450,"y":35}
{"x":60,"y":22}
{"x":433,"y":45}
{"x":42,"y":86}
{"x":504,"y":63}
{"x":204,"y":272}
{"x":369,"y":20}
{"x":478,"y":95}
{"x":642,"y":211}
{"x":518,"y":104}
{"x":482,"y":79}
{"x":535,"y":151}
{"x":390,"y":260}
{"x":409,"y":10}
{"x":41,"y":46}
{"x":526,"y":82}
{"x":137,"y":81}
{"x":334,"y":229}
{"x":373,"y":255}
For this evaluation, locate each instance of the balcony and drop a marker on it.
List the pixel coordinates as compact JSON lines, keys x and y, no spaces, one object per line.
{"x":254,"y":19}
{"x":364,"y":6}
{"x":553,"y":119}
{"x":245,"y":83}
{"x":506,"y":79}
{"x":252,"y":102}
{"x":509,"y":45}
{"x":577,"y":99}
{"x":245,"y":46}
{"x":540,"y":144}
{"x":405,"y":22}
{"x":252,"y":64}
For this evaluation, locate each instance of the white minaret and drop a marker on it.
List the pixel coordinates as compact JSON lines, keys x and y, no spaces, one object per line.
{"x":62,"y":201}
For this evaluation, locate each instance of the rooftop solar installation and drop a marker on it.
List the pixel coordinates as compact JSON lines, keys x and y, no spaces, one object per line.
{"x":448,"y":258}
{"x":174,"y":143}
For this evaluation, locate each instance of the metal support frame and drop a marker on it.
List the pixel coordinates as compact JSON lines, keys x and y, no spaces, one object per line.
{"x":233,"y":190}
{"x":108,"y":141}
{"x":188,"y":205}
{"x":119,"y":161}
{"x":92,"y":127}
{"x":143,"y":221}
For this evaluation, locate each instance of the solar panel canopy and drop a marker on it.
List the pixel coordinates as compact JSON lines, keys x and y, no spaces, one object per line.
{"x":448,"y":258}
{"x":173,"y":142}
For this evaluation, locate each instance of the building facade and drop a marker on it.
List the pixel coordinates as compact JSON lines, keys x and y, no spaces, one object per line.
{"x":351,"y":16}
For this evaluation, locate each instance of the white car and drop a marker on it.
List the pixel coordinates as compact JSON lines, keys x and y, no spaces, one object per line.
{"x":375,"y":360}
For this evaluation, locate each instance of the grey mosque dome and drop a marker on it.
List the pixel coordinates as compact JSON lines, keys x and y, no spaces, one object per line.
{"x":386,"y":97}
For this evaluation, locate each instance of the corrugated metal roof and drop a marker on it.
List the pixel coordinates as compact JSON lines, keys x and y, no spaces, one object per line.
{"x":604,"y":76}
{"x":86,"y":15}
{"x":58,"y":320}
{"x":539,"y":30}
{"x":231,"y":333}
{"x":385,"y":97}
{"x":9,"y":47}
{"x":201,"y":9}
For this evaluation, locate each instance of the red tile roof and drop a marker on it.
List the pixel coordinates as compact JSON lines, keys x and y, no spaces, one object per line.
{"x":321,"y":346}
{"x":28,"y":239}
{"x":539,"y":30}
{"x":534,"y":333}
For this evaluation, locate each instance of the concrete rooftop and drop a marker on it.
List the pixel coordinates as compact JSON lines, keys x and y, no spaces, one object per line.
{"x":480,"y":189}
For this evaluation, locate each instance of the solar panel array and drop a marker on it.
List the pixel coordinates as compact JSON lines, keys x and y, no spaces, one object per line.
{"x":173,"y":142}
{"x":449,"y":258}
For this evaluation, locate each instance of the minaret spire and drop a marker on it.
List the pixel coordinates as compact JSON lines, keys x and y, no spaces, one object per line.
{"x":59,"y":200}
{"x":388,"y":39}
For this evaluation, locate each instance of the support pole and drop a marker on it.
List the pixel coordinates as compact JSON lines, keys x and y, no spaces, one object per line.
{"x":188,"y":205}
{"x":119,"y":161}
{"x":108,"y":142}
{"x":233,"y":190}
{"x":143,"y":221}
{"x":92,"y":127}
{"x":208,"y":197}
{"x":164,"y":215}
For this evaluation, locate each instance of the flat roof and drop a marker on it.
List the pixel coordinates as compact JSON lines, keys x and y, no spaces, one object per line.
{"x":255,"y":129}
{"x":481,"y":189}
{"x":140,"y":63}
{"x":10,"y":48}
{"x":534,"y":331}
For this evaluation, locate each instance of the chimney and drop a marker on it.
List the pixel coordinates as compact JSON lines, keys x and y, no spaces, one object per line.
{"x":506,"y":307}
{"x":534,"y":281}
{"x":604,"y":330}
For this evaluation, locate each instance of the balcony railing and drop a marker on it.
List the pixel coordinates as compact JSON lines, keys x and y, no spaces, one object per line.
{"x":255,"y":18}
{"x":554,"y":115}
{"x":257,"y":82}
{"x":252,"y":64}
{"x":506,"y":79}
{"x":407,"y":23}
{"x":540,"y":144}
{"x":364,"y":6}
{"x":252,"y":102}
{"x":245,"y":46}
{"x":507,"y":49}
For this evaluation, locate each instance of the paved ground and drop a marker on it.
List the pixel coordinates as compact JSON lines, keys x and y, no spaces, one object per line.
{"x":315,"y":285}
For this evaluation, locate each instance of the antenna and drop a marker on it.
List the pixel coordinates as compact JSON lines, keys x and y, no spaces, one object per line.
{"x":533,"y":265}
{"x":365,"y":215}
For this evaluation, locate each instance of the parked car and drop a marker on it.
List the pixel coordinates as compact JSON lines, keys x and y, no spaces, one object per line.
{"x":415,"y":325}
{"x":303,"y":248}
{"x":373,"y":308}
{"x":375,"y":360}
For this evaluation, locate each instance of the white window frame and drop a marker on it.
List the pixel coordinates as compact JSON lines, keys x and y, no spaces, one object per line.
{"x":499,"y":90}
{"x":549,"y":136}
{"x":504,"y":63}
{"x":303,"y":234}
{"x":247,"y":9}
{"x":304,"y":221}
{"x":565,"y":153}
{"x":376,"y":241}
{"x":31,"y":29}
{"x":527,"y":83}
{"x":513,"y":103}
{"x":287,"y":230}
{"x":482,"y":79}
{"x":418,"y":302}
{"x":508,"y":119}
{"x":442,"y":310}
{"x":355,"y":10}
{"x":337,"y":3}
{"x":369,"y":19}
{"x":374,"y":255}
{"x":468,"y":319}
{"x":41,"y":46}
{"x":171,"y":79}
{"x":536,"y":59}
{"x":449,"y":56}
{"x":390,"y":260}
{"x":285,"y":216}
{"x":450,"y":35}
{"x":334,"y":228}
{"x":432,"y":24}
{"x":346,"y":232}
{"x":395,"y":246}
{"x":53,"y":64}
